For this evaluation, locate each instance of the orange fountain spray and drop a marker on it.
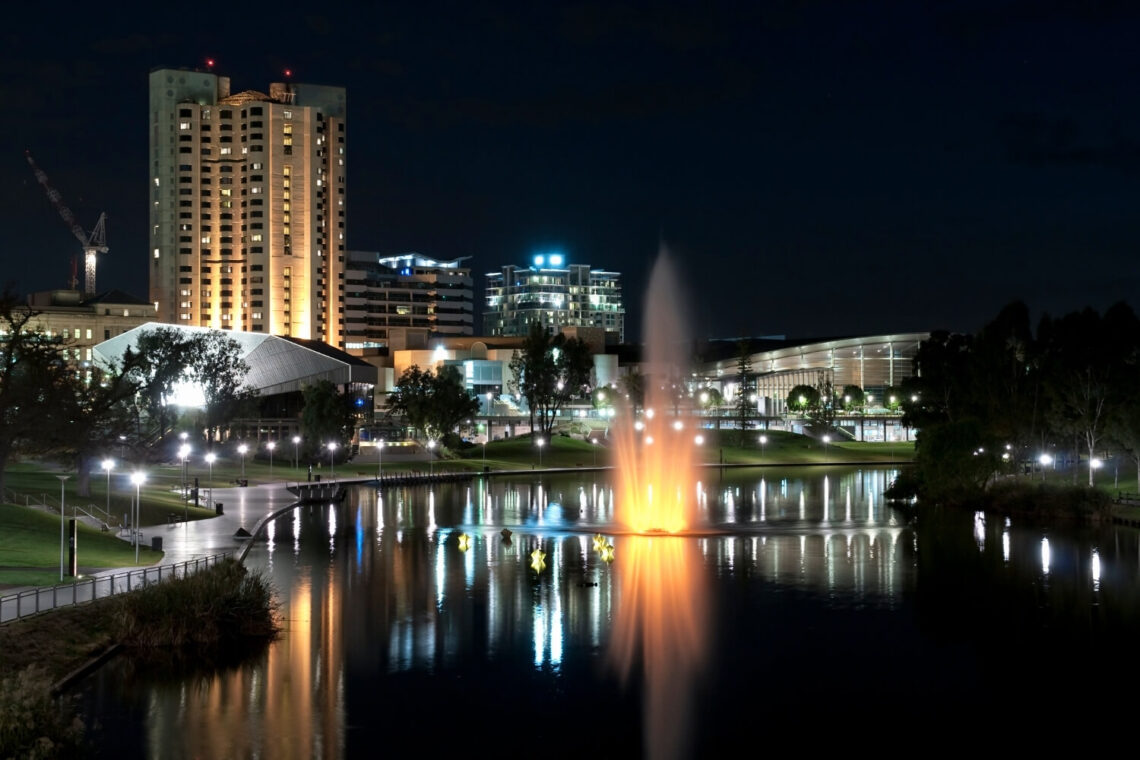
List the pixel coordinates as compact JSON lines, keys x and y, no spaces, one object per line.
{"x":654,"y":454}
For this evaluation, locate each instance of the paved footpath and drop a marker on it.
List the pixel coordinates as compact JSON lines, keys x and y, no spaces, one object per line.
{"x":181,"y":542}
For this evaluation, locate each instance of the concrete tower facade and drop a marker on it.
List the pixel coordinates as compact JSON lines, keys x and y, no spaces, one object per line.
{"x":248,"y":205}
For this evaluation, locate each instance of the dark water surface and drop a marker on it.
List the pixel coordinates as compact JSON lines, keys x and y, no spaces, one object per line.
{"x":807,"y":616}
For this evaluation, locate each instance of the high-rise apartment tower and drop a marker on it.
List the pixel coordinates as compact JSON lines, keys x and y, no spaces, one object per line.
{"x":247,"y":213}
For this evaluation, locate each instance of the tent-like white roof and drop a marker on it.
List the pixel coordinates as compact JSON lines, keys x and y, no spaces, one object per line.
{"x":276,"y":364}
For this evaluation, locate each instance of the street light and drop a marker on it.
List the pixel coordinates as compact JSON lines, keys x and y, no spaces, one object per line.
{"x":62,"y":479}
{"x":763,"y":443}
{"x":108,"y":465}
{"x":1094,"y":465}
{"x":271,"y":446}
{"x":183,"y":452}
{"x":296,"y":460}
{"x":332,"y":462}
{"x":539,"y":443}
{"x":826,"y":441}
{"x":241,"y":450}
{"x":380,"y":460}
{"x":210,"y":461}
{"x":595,"y":448}
{"x":138,"y":478}
{"x":1045,"y":461}
{"x":431,"y":457}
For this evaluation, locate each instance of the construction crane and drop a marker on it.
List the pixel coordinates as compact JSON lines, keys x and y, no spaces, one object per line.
{"x":93,"y":244}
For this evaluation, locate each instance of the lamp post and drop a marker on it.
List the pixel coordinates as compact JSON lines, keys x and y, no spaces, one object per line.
{"x":594,"y":441}
{"x":379,"y":460}
{"x":763,"y":443}
{"x":1045,"y":461}
{"x":539,"y":443}
{"x":108,"y":465}
{"x":296,"y":459}
{"x":826,"y":443}
{"x":271,"y":446}
{"x":138,"y":478}
{"x":241,"y":450}
{"x":62,"y":480}
{"x":484,"y":454}
{"x":332,"y":462}
{"x":431,"y":457}
{"x":210,"y":461}
{"x":183,"y":452}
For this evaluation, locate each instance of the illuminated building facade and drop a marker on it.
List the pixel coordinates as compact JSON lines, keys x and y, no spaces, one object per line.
{"x":84,"y":321}
{"x":556,"y":295}
{"x":247,"y":212}
{"x":409,"y":290}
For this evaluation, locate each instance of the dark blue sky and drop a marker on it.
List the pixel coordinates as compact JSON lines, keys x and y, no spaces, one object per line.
{"x":818,"y":168}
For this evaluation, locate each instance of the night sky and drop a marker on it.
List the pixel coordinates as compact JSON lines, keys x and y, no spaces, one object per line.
{"x":817,"y":168}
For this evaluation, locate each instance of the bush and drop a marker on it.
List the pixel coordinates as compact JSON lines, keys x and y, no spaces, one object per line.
{"x":222,"y":605}
{"x":32,"y":722}
{"x":1053,"y":502}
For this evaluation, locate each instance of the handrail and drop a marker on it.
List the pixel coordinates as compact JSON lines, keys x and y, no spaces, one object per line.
{"x":36,"y":600}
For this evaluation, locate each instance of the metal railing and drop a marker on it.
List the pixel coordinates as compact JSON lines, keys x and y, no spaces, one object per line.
{"x":36,"y":600}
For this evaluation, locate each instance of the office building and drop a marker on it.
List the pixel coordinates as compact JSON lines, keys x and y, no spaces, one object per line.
{"x":383,"y":293}
{"x":247,"y":211}
{"x":556,"y":295}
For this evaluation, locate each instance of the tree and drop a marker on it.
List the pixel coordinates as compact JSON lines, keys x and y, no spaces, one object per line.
{"x":157,"y":363}
{"x":33,"y":368}
{"x":326,"y":417}
{"x":432,"y":403}
{"x":548,"y":372}
{"x":1086,"y":358}
{"x":90,"y":409}
{"x":633,"y":386}
{"x":217,"y":365}
{"x":853,"y":397}
{"x":746,"y":391}
{"x":803,"y":399}
{"x":824,"y":413}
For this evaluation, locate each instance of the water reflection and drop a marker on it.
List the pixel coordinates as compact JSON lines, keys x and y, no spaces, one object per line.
{"x":389,"y":621}
{"x":661,"y":624}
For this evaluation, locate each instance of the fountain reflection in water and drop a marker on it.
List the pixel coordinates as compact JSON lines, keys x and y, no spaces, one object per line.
{"x":663,"y":611}
{"x":654,"y":456}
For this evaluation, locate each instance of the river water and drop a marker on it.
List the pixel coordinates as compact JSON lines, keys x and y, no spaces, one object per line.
{"x":803,"y":615}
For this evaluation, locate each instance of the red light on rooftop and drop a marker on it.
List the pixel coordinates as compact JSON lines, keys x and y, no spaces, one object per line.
{"x":288,"y":72}
{"x":210,"y":62}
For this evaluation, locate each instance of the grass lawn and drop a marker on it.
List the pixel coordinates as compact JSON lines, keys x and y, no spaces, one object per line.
{"x":29,"y":547}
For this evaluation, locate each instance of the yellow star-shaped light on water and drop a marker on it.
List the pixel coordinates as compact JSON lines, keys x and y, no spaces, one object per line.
{"x":608,"y":553}
{"x":538,"y":560}
{"x":599,"y":542}
{"x":464,"y":542}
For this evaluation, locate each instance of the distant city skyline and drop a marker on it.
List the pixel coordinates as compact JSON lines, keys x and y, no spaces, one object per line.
{"x":818,"y":169}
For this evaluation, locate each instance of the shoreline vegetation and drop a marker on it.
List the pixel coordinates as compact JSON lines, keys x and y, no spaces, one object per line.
{"x":199,"y":616}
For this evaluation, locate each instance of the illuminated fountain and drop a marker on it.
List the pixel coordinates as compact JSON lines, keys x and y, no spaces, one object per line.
{"x":663,"y":615}
{"x":654,"y":456}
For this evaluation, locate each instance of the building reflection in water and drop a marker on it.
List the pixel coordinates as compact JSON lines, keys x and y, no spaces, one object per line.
{"x":378,"y":586}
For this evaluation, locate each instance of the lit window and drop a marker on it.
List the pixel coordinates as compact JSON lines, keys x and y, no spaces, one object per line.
{"x":257,"y":238}
{"x":205,"y":240}
{"x":227,"y":151}
{"x":156,"y":253}
{"x":287,"y":114}
{"x":184,"y":125}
